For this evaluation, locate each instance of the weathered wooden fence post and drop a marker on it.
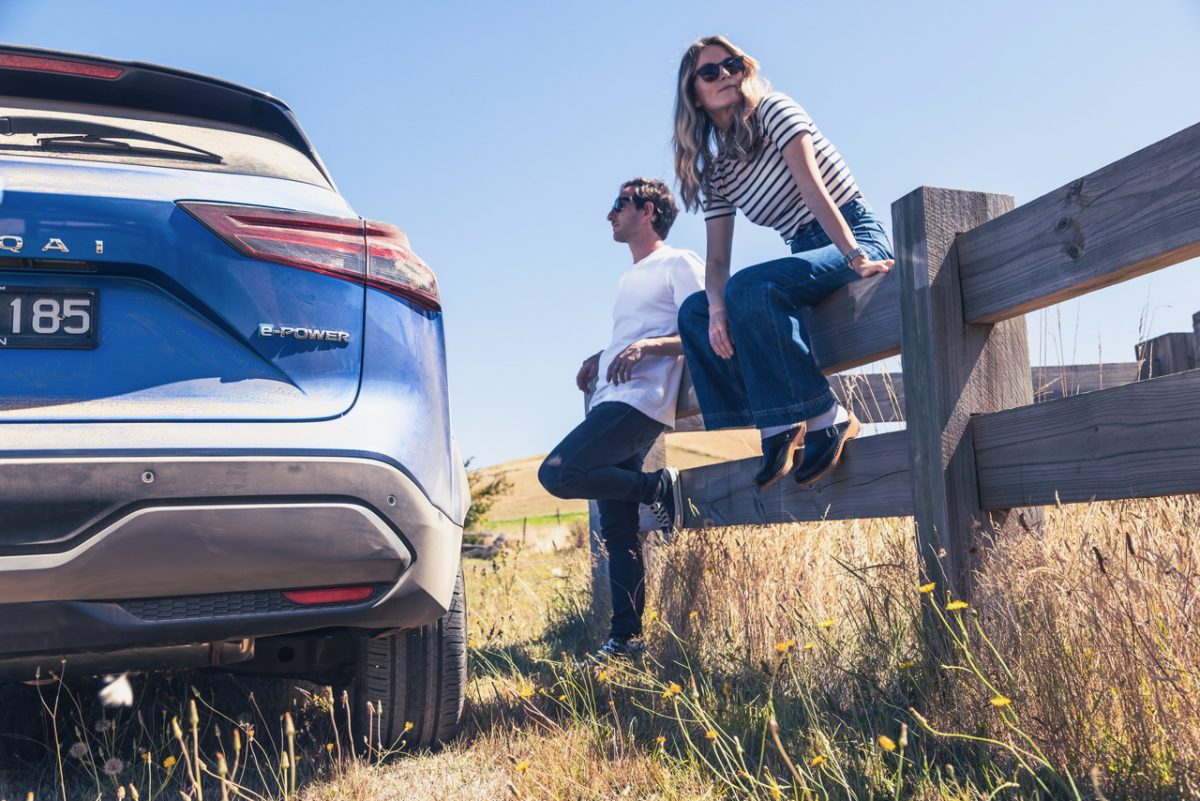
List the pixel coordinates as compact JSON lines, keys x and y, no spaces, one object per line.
{"x":951,"y":371}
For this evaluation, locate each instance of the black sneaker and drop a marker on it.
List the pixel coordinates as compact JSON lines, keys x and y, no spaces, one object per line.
{"x":668,"y":500}
{"x":620,"y":648}
{"x":823,"y":449}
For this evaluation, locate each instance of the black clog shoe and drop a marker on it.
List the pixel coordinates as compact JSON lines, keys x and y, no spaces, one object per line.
{"x":823,"y":449}
{"x":780,"y":454}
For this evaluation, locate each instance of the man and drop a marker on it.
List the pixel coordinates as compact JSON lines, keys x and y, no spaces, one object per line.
{"x":637,"y":384}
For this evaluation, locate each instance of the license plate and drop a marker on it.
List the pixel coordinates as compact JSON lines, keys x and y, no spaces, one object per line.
{"x":48,"y":317}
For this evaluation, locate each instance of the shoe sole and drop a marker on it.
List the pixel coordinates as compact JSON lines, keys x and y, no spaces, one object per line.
{"x":792,"y":462}
{"x":851,"y":432}
{"x":677,"y":497}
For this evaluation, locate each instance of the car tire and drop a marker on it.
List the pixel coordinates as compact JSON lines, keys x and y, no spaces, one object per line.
{"x":418,"y":676}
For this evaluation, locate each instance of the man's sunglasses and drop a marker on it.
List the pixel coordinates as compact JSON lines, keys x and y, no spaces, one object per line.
{"x":734,"y":65}
{"x":619,"y":203}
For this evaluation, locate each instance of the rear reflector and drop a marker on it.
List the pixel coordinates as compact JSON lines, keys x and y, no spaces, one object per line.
{"x":321,"y":243}
{"x":393,"y":267}
{"x":330,"y":595}
{"x":61,"y":66}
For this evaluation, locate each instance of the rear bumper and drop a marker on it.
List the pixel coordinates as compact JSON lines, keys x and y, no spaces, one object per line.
{"x":154,"y":551}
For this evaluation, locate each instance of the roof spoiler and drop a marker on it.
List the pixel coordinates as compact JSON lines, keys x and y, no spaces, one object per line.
{"x":72,"y":77}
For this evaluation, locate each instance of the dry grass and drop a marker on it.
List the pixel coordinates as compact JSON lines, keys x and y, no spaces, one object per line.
{"x":1072,"y":674}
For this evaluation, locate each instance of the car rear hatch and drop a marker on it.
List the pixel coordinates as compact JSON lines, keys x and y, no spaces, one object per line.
{"x":170,"y":248}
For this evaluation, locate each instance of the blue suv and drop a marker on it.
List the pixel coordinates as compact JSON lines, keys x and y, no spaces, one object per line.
{"x":224,"y":431}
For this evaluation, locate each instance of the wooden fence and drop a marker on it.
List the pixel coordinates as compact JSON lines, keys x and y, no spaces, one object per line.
{"x":976,"y":451}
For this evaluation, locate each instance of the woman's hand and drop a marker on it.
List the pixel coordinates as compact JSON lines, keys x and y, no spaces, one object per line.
{"x":718,"y":333}
{"x":621,"y":368}
{"x":865,"y":267}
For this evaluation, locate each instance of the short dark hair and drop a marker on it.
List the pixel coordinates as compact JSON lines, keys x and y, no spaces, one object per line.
{"x":652,"y":190}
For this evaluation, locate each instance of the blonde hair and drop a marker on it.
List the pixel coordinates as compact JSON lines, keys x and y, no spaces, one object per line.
{"x":696,"y":141}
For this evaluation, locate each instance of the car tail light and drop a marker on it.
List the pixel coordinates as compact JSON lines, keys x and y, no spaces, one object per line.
{"x":61,"y":66}
{"x":330,"y":595}
{"x":393,"y":267}
{"x":317,"y":242}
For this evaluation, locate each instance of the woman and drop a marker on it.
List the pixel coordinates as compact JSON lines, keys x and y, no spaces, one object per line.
{"x":739,"y":145}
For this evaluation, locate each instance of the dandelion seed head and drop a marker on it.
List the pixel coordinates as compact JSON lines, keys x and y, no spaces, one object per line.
{"x":102,"y":725}
{"x":78,"y":750}
{"x":113,"y":767}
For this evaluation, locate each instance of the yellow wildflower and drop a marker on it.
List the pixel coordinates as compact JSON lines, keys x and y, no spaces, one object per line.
{"x":329,"y":748}
{"x":1000,"y":702}
{"x":652,"y":615}
{"x":473,"y":644}
{"x":408,"y":725}
{"x":563,"y":697}
{"x":808,"y":646}
{"x":710,"y":735}
{"x":925,"y":589}
{"x":526,"y":692}
{"x":522,"y":766}
{"x":816,"y":761}
{"x":602,"y":676}
{"x":954,"y":606}
{"x":169,"y":762}
{"x":908,"y":665}
{"x":673,"y":689}
{"x":827,"y":623}
{"x":887,"y":743}
{"x":693,"y":615}
{"x":660,"y":740}
{"x":785,"y":646}
{"x":776,"y":793}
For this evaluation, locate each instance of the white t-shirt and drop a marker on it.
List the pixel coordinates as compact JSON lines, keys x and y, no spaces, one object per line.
{"x":648,"y":299}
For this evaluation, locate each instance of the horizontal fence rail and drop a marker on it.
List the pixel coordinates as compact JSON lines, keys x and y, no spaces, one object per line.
{"x":872,"y":480}
{"x":1134,"y":216}
{"x":1136,"y":441}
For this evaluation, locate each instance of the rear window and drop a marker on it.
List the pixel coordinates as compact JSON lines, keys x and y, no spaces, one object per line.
{"x":103,"y":133}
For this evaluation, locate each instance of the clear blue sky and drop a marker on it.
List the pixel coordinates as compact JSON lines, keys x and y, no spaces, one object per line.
{"x":497,"y":134}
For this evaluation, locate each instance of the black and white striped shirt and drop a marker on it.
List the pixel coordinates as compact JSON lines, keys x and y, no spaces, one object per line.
{"x":763,"y":188}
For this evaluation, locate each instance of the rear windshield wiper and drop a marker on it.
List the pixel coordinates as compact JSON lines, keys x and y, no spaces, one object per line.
{"x":91,"y":136}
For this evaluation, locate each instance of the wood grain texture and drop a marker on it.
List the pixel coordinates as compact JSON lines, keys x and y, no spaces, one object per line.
{"x":870,"y":481}
{"x":1137,"y":215}
{"x":1135,"y":441}
{"x":951,"y":371}
{"x":856,"y":325}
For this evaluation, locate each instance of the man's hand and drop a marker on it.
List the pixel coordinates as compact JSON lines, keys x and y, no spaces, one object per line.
{"x":621,"y":369}
{"x":587,"y":371}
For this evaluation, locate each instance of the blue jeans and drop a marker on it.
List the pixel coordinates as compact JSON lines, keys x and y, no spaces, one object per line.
{"x":773,"y":378}
{"x":601,"y":459}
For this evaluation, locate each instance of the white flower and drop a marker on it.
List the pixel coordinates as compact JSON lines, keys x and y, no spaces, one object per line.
{"x":117,"y":691}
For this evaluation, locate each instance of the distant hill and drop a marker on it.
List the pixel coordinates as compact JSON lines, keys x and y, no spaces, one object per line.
{"x":684,"y":449}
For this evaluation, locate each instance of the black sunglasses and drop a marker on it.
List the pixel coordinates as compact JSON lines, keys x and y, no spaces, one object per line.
{"x":620,"y":202}
{"x":711,"y":72}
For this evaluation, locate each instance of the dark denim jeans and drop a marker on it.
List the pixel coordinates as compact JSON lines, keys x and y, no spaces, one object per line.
{"x":601,"y":460}
{"x":773,"y":378}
